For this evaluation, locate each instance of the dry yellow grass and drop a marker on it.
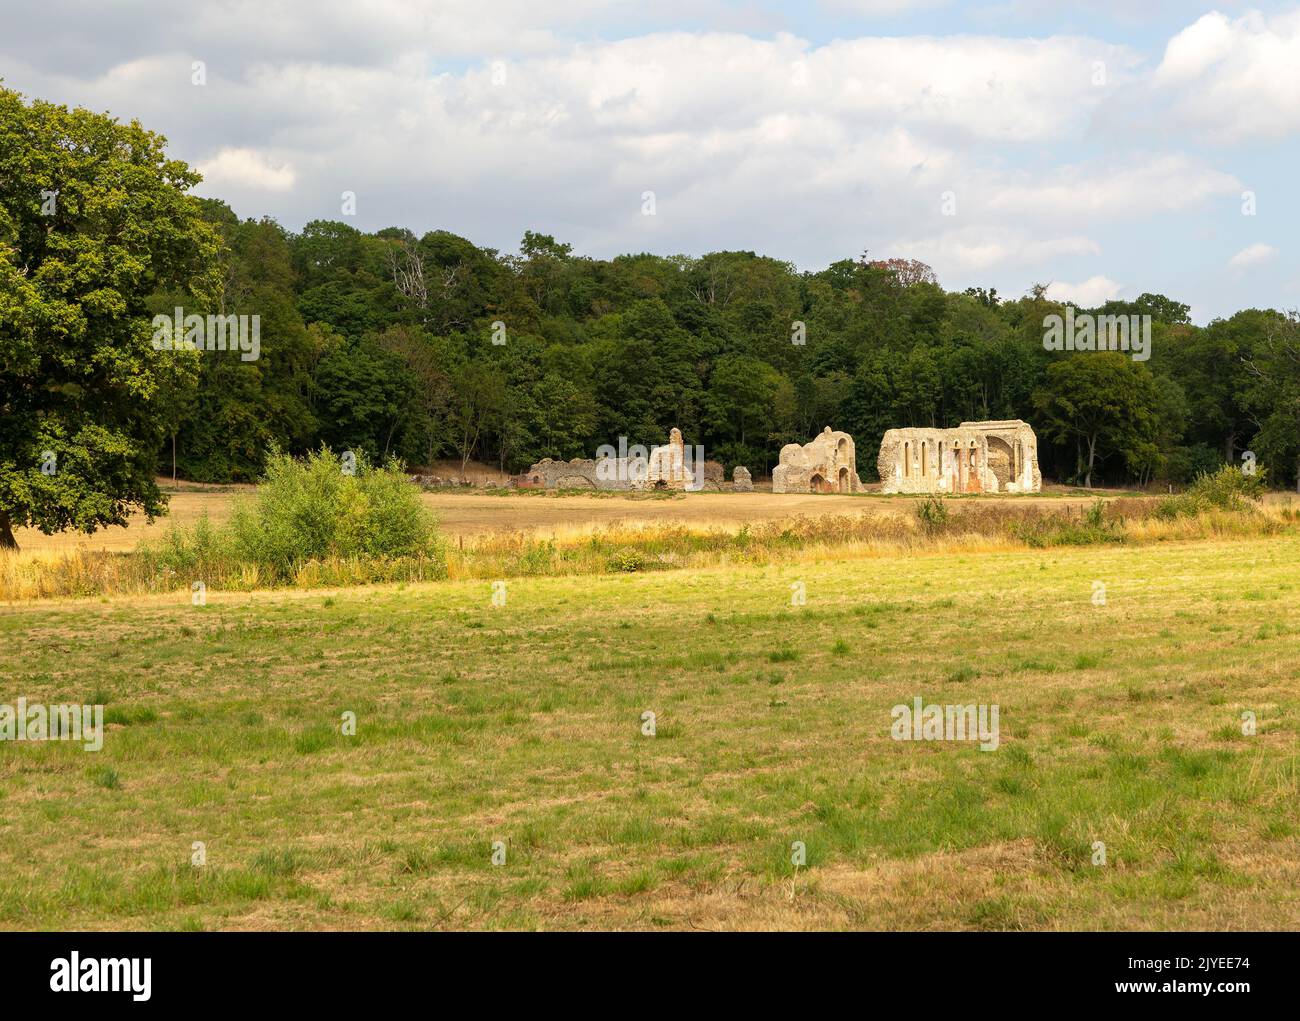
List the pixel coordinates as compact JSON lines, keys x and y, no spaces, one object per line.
{"x":473,"y":513}
{"x":501,"y":536}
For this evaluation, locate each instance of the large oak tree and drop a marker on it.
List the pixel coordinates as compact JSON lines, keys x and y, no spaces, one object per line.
{"x":94,"y":218}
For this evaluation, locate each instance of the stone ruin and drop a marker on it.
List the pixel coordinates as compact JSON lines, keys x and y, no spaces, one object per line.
{"x":669,"y":468}
{"x":580,"y":473}
{"x":826,"y":465}
{"x":976,"y":457}
{"x":741,"y":480}
{"x":666,"y":468}
{"x":437,"y":481}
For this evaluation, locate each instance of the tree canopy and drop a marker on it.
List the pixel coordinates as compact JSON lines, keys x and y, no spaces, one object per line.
{"x":430,"y":347}
{"x":95,"y":220}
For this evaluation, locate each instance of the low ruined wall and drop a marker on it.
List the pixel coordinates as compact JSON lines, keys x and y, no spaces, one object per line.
{"x":580,"y":473}
{"x":666,"y":464}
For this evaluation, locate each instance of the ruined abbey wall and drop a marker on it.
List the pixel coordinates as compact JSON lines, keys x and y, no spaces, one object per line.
{"x":975,"y":457}
{"x":828,"y":464}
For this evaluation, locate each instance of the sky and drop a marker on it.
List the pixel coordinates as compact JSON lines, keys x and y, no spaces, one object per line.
{"x":1107,"y":148}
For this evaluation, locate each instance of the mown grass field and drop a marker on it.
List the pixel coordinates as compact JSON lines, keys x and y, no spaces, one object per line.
{"x":522,"y":723}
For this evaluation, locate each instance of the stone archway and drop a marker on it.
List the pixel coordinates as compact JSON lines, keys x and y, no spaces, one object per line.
{"x":843,"y":482}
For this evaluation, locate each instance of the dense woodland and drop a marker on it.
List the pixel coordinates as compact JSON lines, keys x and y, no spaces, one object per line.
{"x":428,"y":348}
{"x":384,"y":342}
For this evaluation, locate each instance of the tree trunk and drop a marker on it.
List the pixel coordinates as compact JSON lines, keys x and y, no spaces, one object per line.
{"x":7,"y":540}
{"x":1229,"y":446}
{"x":1092,"y":457}
{"x":173,"y":462}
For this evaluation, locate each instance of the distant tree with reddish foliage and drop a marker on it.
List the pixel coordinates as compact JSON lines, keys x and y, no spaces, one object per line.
{"x":908,"y":271}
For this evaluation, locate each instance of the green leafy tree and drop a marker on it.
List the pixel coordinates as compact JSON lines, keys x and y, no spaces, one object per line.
{"x":243,"y":408}
{"x":481,"y":396}
{"x":363,"y":394}
{"x":741,"y":402}
{"x":94,"y":218}
{"x":1102,"y":402}
{"x":1273,"y":398}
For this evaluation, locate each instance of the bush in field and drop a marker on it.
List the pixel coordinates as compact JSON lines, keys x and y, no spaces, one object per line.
{"x":932,"y":513}
{"x":628,"y":561}
{"x":313,"y":510}
{"x":1229,"y":488}
{"x":194,"y":552}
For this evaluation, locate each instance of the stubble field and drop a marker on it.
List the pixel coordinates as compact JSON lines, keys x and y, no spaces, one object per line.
{"x":471,"y":514}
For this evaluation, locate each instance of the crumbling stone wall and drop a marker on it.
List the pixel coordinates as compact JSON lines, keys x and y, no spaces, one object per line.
{"x":580,"y":473}
{"x":667,"y":467}
{"x":976,"y":457}
{"x":827,"y":464}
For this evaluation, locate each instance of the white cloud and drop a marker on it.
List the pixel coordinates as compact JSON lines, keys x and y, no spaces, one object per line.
{"x":1231,"y":80}
{"x":978,"y":248}
{"x":1253,"y":256}
{"x":1089,"y":294}
{"x":807,"y":152}
{"x":1157,"y":184}
{"x":245,"y":168}
{"x":881,"y":8}
{"x":1195,"y":49}
{"x":764,"y":142}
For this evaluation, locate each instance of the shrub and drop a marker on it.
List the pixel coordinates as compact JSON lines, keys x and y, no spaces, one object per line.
{"x":932,"y":514}
{"x":190,"y":552}
{"x":1096,"y":514}
{"x":627,"y":561}
{"x":311,"y":510}
{"x":1229,"y":488}
{"x":310,"y":523}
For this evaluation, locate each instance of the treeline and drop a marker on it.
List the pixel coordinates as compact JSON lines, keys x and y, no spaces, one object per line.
{"x":430,"y":347}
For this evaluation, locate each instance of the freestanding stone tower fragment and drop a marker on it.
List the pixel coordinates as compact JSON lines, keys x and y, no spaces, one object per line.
{"x":670,"y":467}
{"x":976,"y":457}
{"x":826,"y":465}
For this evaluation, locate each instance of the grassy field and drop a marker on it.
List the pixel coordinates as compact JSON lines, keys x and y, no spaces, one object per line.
{"x":472,"y":513}
{"x":1120,"y":723}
